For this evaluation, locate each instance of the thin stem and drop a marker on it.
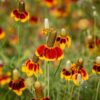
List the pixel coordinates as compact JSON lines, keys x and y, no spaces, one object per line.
{"x":71,"y":93}
{"x":57,"y":68}
{"x":94,"y":30}
{"x":48,"y":77}
{"x":97,"y":90}
{"x":45,"y":77}
{"x":79,"y":92}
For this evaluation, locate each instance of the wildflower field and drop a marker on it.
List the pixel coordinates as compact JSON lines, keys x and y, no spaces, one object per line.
{"x":49,"y":49}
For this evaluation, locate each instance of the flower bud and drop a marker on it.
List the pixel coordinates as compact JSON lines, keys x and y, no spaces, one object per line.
{"x":46,"y":23}
{"x":38,"y":90}
{"x":68,"y":64}
{"x":16,"y":74}
{"x":98,"y":59}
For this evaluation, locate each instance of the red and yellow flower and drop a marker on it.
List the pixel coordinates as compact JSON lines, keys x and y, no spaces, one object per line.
{"x":33,"y":20}
{"x":17,"y":85}
{"x":49,"y":53}
{"x":73,"y":73}
{"x":31,"y":68}
{"x":83,"y":74}
{"x":2,"y":34}
{"x":67,"y":73}
{"x":96,"y":66}
{"x":63,"y":40}
{"x":5,"y":78}
{"x":20,"y":14}
{"x":62,"y":9}
{"x":79,"y":71}
{"x":50,"y":3}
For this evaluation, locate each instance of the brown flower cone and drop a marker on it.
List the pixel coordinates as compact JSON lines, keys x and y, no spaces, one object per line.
{"x":38,"y":90}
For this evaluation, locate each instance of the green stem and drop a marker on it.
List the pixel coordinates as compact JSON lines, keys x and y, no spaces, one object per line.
{"x":71,"y":93}
{"x":48,"y":77}
{"x":57,"y":68}
{"x":97,"y":90}
{"x":79,"y":89}
{"x":94,"y":30}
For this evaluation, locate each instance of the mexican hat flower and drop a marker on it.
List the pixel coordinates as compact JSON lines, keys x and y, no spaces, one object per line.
{"x":63,"y":40}
{"x":50,"y":3}
{"x":5,"y":78}
{"x":80,"y":71}
{"x":17,"y":85}
{"x":96,"y":66}
{"x":2,"y":34}
{"x":32,"y":67}
{"x":61,"y":9}
{"x":68,"y":71}
{"x":90,"y":42}
{"x":49,"y":52}
{"x":33,"y":20}
{"x":20,"y":14}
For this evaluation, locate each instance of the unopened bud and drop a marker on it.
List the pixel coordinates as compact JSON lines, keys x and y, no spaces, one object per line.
{"x":38,"y":90}
{"x":46,"y":23}
{"x":68,"y":64}
{"x":63,"y":32}
{"x":16,"y":74}
{"x":98,"y":59}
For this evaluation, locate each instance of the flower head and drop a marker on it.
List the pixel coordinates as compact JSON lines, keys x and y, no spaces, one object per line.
{"x":2,"y":34}
{"x":20,"y":14}
{"x":5,"y":78}
{"x":32,"y":67}
{"x":96,"y":66}
{"x":63,"y":40}
{"x":33,"y":20}
{"x":49,"y":52}
{"x":17,"y":85}
{"x":79,"y":71}
{"x":50,"y":3}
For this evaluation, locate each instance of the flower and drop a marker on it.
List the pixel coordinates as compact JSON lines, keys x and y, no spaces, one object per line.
{"x":82,"y":73}
{"x":38,"y":90}
{"x":50,"y":3}
{"x":5,"y":78}
{"x":79,"y":71}
{"x":32,"y":67}
{"x":49,"y":52}
{"x":20,"y":14}
{"x":17,"y":85}
{"x":63,"y":40}
{"x":68,"y":71}
{"x":66,"y":74}
{"x":61,"y":10}
{"x":96,"y":66}
{"x":2,"y":34}
{"x":90,"y":42}
{"x":33,"y":20}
